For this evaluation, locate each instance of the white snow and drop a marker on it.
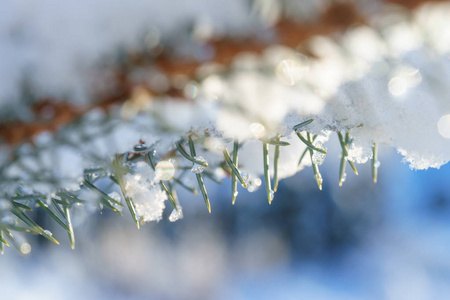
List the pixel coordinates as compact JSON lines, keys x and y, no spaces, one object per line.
{"x":142,"y":188}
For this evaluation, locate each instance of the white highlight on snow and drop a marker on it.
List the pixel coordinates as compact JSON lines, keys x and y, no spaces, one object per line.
{"x":444,"y":126}
{"x":258,"y":130}
{"x":404,"y":79}
{"x":290,"y":71}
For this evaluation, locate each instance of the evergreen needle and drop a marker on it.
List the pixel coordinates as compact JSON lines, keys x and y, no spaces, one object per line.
{"x":71,"y":233}
{"x":233,"y":167}
{"x":275,"y":167}
{"x":33,"y":226}
{"x":169,"y":196}
{"x":303,"y":124}
{"x":309,"y":143}
{"x":105,"y":199}
{"x":374,"y":162}
{"x":212,"y":177}
{"x":182,"y":184}
{"x":266,"y":172}
{"x":347,"y":142}
{"x":53,"y":215}
{"x":23,"y":206}
{"x":189,"y":157}
{"x":342,"y":169}
{"x":120,"y":170}
{"x":18,"y":228}
{"x":305,"y":151}
{"x":317,"y":175}
{"x":275,"y":142}
{"x":343,"y":144}
{"x":233,"y":176}
{"x":2,"y":242}
{"x":58,"y":209}
{"x":132,"y":210}
{"x":201,"y":185}
{"x":152,"y":164}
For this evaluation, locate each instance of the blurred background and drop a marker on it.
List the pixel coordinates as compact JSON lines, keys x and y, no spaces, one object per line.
{"x":58,"y":62}
{"x":388,"y":240}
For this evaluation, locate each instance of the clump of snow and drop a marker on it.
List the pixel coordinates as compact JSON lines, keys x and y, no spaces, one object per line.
{"x":141,"y":186}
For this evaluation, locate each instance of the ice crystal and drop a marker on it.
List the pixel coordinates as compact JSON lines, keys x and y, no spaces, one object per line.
{"x":318,"y":157}
{"x":196,"y":168}
{"x":176,"y":215}
{"x":246,"y":178}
